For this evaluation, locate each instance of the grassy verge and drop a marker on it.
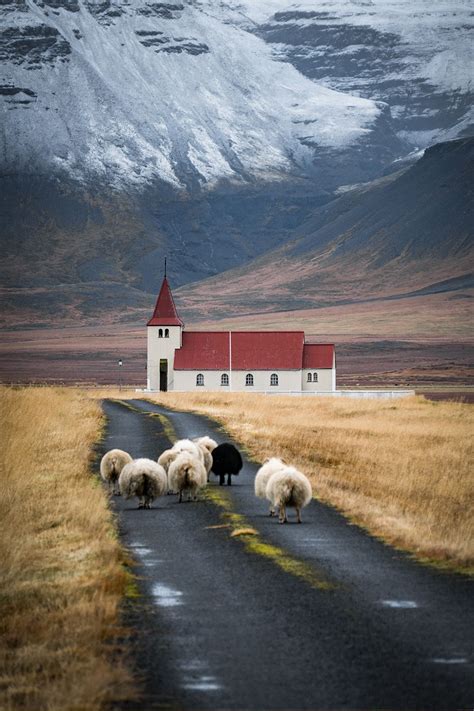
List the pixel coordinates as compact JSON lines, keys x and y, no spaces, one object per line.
{"x":62,"y":577}
{"x":400,"y":468}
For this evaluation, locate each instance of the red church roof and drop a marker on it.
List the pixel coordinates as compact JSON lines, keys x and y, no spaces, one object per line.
{"x":318,"y":355}
{"x":251,"y":350}
{"x":165,"y":313}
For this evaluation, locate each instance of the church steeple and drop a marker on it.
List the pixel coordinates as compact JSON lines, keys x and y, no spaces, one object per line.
{"x":165,"y":313}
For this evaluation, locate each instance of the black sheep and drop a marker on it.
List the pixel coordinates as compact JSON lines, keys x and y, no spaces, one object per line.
{"x":226,"y":459}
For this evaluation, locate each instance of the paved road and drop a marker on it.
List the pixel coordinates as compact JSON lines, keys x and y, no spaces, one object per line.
{"x":317,"y":616}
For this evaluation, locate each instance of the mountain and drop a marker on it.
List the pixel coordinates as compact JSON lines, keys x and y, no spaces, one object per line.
{"x":416,"y":57}
{"x":404,"y":236}
{"x":203,"y":130}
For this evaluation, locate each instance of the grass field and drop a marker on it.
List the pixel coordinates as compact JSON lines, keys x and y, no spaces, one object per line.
{"x":400,"y":468}
{"x":62,"y":574}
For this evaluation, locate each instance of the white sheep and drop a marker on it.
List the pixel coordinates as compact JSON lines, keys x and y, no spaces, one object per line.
{"x":145,"y":479}
{"x":166,"y":457}
{"x":186,"y":445}
{"x":207,"y":445}
{"x":289,"y":487}
{"x":206,"y":459}
{"x":269,"y":467}
{"x":111,"y":465}
{"x":186,"y":473}
{"x":206,"y":442}
{"x":182,"y":445}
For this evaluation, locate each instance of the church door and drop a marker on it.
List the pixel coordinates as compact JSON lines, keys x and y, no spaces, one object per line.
{"x":163,"y":375}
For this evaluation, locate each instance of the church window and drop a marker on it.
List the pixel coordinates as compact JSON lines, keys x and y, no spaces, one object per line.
{"x":315,"y":377}
{"x":273,"y":379}
{"x":199,"y":379}
{"x":160,"y":333}
{"x":310,"y":378}
{"x":249,"y":379}
{"x":167,"y":333}
{"x":224,"y":379}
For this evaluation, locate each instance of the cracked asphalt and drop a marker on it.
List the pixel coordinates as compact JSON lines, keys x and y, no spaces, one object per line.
{"x":311,"y":616}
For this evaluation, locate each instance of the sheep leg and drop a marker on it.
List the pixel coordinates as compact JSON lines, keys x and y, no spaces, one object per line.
{"x":298,"y":515}
{"x":229,"y":480}
{"x":180,"y":498}
{"x":283,"y":518}
{"x":141,"y":502}
{"x":221,"y":479}
{"x":272,"y":511}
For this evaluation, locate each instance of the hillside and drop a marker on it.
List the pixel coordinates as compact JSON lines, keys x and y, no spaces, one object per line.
{"x":405,"y":236}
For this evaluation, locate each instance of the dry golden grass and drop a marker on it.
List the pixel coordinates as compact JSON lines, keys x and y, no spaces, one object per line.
{"x":62,"y":577}
{"x":400,"y":468}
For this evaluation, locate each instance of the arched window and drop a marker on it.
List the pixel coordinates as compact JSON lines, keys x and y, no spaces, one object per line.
{"x":160,"y":333}
{"x":249,"y":379}
{"x":224,"y":379}
{"x":199,"y":379}
{"x":167,"y":333}
{"x":315,"y":377}
{"x":273,"y":379}
{"x":310,"y":378}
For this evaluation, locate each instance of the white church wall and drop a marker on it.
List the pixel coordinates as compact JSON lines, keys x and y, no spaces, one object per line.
{"x":325,"y":380}
{"x":161,"y":348}
{"x":185,"y":380}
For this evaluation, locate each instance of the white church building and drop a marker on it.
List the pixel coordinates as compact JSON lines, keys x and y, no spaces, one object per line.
{"x":237,"y":361}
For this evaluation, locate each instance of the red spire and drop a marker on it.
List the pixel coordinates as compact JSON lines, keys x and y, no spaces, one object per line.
{"x":165,"y":313}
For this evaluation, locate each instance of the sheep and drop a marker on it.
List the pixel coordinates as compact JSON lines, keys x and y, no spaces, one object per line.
{"x":186,"y":473}
{"x":207,"y":446}
{"x":182,"y":445}
{"x":186,"y":445}
{"x":111,"y":465}
{"x":144,"y":479}
{"x":226,"y":459}
{"x":288,"y":487}
{"x":207,"y":442}
{"x":269,"y":467}
{"x":166,"y":458}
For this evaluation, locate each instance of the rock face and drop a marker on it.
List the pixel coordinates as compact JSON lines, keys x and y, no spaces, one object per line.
{"x":204,"y":131}
{"x":130,"y":93}
{"x":416,"y":57}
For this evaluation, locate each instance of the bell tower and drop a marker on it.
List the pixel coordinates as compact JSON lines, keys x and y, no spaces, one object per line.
{"x":164,"y":336}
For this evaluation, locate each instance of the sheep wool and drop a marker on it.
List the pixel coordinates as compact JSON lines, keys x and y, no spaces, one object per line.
{"x":226,"y":460}
{"x":289,"y":487}
{"x":111,"y":465}
{"x":186,"y":473}
{"x":207,"y":459}
{"x":186,"y":445}
{"x":206,"y":442}
{"x":144,"y":479}
{"x":269,"y":467}
{"x":166,"y":457}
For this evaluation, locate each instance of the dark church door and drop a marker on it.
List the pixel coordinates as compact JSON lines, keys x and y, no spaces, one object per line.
{"x":163,"y":375}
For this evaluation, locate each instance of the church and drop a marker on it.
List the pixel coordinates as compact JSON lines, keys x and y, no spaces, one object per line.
{"x":232,"y":361}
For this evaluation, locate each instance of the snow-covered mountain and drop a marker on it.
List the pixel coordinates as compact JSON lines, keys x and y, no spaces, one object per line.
{"x":129,"y":91}
{"x":415,"y":55}
{"x":194,"y":92}
{"x":204,"y":130}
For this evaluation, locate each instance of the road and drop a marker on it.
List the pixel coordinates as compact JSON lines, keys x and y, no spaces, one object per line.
{"x":311,"y":616}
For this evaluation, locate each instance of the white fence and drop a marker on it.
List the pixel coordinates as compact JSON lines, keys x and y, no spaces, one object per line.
{"x":374,"y":394}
